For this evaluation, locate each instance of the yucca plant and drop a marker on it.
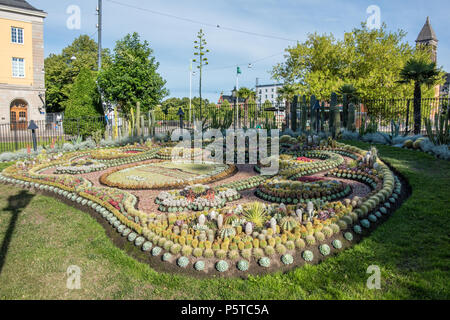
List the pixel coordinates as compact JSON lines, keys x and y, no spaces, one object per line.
{"x":441,"y":135}
{"x":256,"y":213}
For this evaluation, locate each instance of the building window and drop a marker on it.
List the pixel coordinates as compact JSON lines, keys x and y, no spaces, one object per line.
{"x":18,"y":67}
{"x":17,"y":35}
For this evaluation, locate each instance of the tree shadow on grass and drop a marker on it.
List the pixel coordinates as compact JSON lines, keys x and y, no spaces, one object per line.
{"x":16,"y":204}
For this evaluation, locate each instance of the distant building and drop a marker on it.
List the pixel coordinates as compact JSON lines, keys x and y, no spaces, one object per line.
{"x":445,"y":88}
{"x":268,"y":92}
{"x":230,"y":99}
{"x":427,"y":37}
{"x":22,"y":81}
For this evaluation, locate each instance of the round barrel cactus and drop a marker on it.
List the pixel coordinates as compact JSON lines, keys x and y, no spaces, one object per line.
{"x":222,"y":266}
{"x":287,"y":259}
{"x":243,"y":265}
{"x":308,"y":256}
{"x":183,"y":262}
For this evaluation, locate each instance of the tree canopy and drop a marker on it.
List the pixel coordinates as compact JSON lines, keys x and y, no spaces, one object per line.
{"x":61,"y":70}
{"x":370,"y":60}
{"x":132,"y":76}
{"x":83,"y":114}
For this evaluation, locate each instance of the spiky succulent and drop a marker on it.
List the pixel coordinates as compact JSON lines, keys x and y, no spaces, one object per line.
{"x":325,"y":249}
{"x":199,"y":266}
{"x":308,"y":255}
{"x":264,"y":262}
{"x":166,"y":256}
{"x":287,"y":259}
{"x":243,"y":265}
{"x":222,"y":266}
{"x":256,"y":213}
{"x":337,"y":244}
{"x":183,"y":262}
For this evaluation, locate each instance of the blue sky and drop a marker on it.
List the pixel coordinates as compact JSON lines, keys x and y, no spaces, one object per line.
{"x":172,"y":39}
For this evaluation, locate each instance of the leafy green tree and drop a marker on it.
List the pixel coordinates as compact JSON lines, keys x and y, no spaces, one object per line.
{"x":420,"y":72}
{"x":132,"y":76}
{"x":62,"y":69}
{"x":84,"y":112}
{"x":369,"y":59}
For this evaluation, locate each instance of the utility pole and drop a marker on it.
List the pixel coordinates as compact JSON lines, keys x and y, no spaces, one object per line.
{"x":99,"y":27}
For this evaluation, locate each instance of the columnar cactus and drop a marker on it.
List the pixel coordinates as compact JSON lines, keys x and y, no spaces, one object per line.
{"x":138,"y":119}
{"x":351,"y":116}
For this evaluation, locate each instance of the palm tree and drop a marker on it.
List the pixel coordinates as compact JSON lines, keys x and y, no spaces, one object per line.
{"x":350,"y":95}
{"x":421,"y":73}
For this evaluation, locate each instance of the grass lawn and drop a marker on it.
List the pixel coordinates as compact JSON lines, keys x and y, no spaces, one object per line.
{"x":41,"y":237}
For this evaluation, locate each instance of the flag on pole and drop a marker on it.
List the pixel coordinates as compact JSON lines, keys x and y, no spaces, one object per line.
{"x":239,"y":70}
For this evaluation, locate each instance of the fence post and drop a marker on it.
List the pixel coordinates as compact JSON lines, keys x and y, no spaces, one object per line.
{"x":294,"y":107}
{"x":407,"y":117}
{"x":312,"y":104}
{"x":304,"y":114}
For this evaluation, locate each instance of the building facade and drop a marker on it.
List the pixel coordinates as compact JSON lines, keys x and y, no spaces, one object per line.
{"x":268,"y":92}
{"x":22,"y":78}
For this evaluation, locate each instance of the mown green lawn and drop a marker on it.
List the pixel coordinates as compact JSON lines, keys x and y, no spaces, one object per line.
{"x":41,"y":237}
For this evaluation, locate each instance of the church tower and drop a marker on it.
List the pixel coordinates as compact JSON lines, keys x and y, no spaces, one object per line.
{"x":428,"y":37}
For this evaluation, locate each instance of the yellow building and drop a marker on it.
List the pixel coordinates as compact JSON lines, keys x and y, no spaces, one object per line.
{"x":22,"y":81}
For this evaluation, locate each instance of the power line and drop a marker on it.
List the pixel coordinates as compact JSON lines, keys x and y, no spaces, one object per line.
{"x":217,"y":26}
{"x":253,"y":62}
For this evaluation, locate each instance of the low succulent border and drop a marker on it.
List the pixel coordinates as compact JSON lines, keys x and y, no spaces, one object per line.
{"x":379,"y":204}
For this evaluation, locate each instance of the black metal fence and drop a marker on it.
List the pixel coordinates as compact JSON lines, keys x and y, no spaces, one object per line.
{"x":376,"y":113}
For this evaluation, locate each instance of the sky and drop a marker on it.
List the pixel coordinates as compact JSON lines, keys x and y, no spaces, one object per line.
{"x":281,"y":21}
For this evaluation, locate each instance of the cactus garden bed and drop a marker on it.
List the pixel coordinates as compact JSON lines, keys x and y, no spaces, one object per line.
{"x":223,"y":229}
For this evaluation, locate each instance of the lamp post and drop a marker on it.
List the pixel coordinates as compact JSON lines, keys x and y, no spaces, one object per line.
{"x":235,"y":95}
{"x":33,"y":127}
